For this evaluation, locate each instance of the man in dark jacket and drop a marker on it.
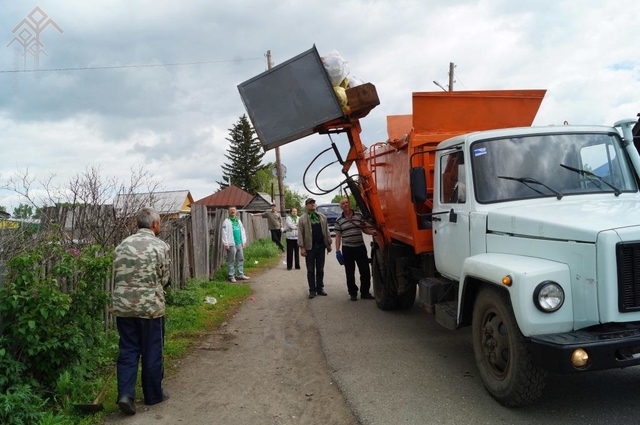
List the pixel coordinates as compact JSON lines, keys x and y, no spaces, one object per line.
{"x":314,"y":241}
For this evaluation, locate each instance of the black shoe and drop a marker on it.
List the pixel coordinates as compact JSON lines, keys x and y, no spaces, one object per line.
{"x":312,"y":295}
{"x":321,"y":292}
{"x":127,"y":406}
{"x":354,"y":298}
{"x":367,"y":297}
{"x":297,"y":268}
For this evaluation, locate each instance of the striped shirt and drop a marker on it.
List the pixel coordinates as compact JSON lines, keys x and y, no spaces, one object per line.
{"x":349,"y":230}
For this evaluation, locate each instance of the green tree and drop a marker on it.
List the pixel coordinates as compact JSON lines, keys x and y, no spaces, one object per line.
{"x":336,"y":200}
{"x":3,"y":209}
{"x":23,"y":211}
{"x":244,"y":156}
{"x":38,"y":213}
{"x":293,"y":199}
{"x":266,"y":180}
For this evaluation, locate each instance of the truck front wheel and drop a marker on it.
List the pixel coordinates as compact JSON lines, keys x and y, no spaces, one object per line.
{"x":501,"y":351}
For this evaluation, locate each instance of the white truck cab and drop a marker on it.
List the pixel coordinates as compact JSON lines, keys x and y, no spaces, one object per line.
{"x":540,"y":228}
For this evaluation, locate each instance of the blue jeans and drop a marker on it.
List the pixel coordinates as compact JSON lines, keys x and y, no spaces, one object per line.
{"x":315,"y":268}
{"x":236,"y":254}
{"x":141,"y":338}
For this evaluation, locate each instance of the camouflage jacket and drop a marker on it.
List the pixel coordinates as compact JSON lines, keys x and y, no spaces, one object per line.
{"x":141,"y":269}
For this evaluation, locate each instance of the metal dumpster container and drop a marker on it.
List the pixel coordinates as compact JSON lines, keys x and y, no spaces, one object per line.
{"x":286,"y":102}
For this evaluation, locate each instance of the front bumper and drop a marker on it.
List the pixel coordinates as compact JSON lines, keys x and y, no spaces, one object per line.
{"x":609,"y":346}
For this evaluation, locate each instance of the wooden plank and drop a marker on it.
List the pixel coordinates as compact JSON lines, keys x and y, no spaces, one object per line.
{"x":200,"y":239}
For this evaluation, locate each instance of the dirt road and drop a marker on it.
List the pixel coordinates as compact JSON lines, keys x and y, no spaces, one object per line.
{"x":265,"y":366}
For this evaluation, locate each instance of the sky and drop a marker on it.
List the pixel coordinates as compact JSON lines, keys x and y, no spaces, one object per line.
{"x":173,"y":118}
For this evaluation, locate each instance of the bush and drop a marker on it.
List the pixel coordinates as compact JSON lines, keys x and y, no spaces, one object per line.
{"x":52,"y":307}
{"x":19,"y":405}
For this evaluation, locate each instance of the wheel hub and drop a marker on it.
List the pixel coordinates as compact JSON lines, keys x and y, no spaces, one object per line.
{"x":495,"y":344}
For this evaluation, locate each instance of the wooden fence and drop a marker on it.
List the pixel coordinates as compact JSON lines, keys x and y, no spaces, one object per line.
{"x":196,"y":245}
{"x":196,"y":248}
{"x":196,"y":242}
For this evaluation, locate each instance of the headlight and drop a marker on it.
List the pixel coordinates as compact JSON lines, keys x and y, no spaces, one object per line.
{"x":548,"y":296}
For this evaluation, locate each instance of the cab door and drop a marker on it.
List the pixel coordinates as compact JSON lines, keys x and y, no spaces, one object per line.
{"x":451,"y":218}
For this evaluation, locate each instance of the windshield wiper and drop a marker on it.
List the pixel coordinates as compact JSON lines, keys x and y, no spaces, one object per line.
{"x":528,"y":180}
{"x":589,"y":174}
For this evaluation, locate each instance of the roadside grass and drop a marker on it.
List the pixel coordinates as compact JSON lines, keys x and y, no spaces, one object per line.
{"x":189,"y":317}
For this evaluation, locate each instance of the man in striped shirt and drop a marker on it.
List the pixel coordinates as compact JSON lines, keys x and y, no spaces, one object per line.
{"x":349,"y":228}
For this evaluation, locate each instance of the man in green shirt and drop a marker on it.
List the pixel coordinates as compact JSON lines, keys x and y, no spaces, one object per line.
{"x":234,"y":240}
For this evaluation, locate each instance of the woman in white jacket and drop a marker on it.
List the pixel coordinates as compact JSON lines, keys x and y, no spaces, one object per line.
{"x":291,"y":233}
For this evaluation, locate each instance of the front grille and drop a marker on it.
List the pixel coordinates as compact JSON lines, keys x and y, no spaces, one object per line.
{"x":628,"y":255}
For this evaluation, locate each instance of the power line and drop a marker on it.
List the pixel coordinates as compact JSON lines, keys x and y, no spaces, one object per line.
{"x":91,"y":68}
{"x":460,"y":81}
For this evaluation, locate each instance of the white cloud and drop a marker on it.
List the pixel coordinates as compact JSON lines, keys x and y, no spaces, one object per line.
{"x":175,"y":119}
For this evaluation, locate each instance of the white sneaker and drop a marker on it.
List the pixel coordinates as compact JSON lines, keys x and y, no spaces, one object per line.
{"x":242,"y":277}
{"x":232,"y":279}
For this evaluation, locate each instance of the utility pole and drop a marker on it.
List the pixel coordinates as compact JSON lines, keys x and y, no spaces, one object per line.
{"x":278,"y":164}
{"x":451,"y":80}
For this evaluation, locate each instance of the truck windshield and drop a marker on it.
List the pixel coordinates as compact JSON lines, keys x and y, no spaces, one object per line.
{"x":552,"y":160}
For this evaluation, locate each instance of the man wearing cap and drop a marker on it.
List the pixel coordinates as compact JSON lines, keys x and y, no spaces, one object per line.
{"x":274,"y":221}
{"x":314,"y":241}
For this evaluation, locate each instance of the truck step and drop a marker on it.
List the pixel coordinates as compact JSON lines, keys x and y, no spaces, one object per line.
{"x":447,"y":314}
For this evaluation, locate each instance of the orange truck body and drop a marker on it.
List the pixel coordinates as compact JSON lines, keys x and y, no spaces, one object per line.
{"x":437,"y":116}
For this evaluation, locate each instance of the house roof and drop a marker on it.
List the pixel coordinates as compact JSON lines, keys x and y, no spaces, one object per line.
{"x":229,"y":196}
{"x":171,"y":202}
{"x":266,"y":197}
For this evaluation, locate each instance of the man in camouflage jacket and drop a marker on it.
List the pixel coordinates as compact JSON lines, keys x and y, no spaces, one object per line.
{"x":141,"y":270}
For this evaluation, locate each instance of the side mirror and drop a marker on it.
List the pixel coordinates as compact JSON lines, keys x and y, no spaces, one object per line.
{"x":418,"y":181}
{"x":625,"y":126}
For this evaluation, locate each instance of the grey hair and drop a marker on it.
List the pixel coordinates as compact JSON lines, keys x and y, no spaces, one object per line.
{"x":146,"y":217}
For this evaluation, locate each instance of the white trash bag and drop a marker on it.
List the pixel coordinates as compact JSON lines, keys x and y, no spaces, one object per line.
{"x":336,"y":67}
{"x":354,"y":82}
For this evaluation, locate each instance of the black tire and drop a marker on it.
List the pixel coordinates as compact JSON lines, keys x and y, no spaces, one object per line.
{"x":502,"y":353}
{"x":385,"y":295}
{"x":406,"y":300}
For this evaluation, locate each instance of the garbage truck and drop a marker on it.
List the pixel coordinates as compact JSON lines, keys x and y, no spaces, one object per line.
{"x":528,"y":234}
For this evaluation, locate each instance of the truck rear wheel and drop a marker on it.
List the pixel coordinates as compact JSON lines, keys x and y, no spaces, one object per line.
{"x":385,"y":296}
{"x":406,"y":300}
{"x":501,"y":351}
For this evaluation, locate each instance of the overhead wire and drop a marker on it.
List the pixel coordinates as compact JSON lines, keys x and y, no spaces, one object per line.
{"x":93,"y":68}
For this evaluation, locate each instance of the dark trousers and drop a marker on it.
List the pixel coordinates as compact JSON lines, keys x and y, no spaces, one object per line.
{"x":352,"y":256}
{"x":315,"y":268}
{"x":141,"y":338}
{"x":293,"y":252}
{"x":276,"y":237}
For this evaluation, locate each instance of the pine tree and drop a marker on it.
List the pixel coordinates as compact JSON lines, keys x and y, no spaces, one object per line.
{"x":244,"y":155}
